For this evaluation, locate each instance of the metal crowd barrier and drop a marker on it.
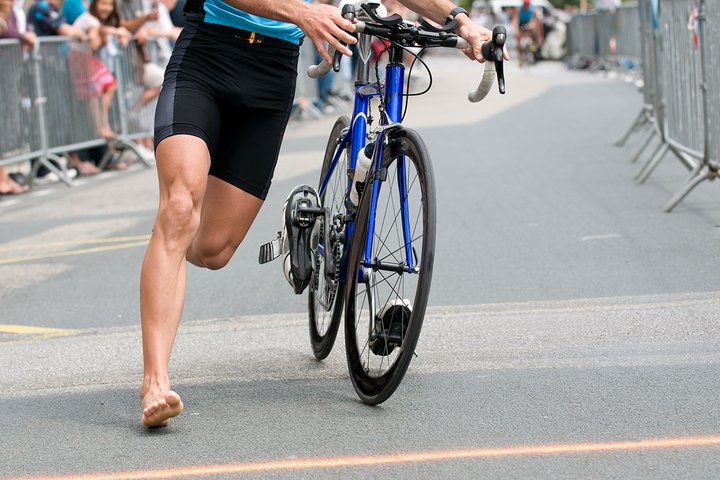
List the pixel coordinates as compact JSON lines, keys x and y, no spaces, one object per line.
{"x":582,"y":35}
{"x":628,"y":32}
{"x":606,"y":40}
{"x":677,"y":71}
{"x":51,"y":103}
{"x":679,"y":46}
{"x":708,"y":37}
{"x":651,"y":113}
{"x":20,"y":132}
{"x":711,"y":62}
{"x":130,"y":117}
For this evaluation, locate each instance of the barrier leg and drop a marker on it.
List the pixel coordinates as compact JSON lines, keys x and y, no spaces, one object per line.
{"x":109,"y":156}
{"x":645,"y":145}
{"x":652,"y":163}
{"x":655,"y":161}
{"x":47,"y":163}
{"x":641,"y":120}
{"x":709,"y":172}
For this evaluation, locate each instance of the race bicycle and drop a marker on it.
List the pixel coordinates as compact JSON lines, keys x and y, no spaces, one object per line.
{"x":375,"y":231}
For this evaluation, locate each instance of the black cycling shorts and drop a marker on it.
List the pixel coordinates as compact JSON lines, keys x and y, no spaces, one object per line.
{"x":234,"y":90}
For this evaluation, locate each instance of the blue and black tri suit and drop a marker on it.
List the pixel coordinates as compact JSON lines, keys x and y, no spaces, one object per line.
{"x":231,"y":82}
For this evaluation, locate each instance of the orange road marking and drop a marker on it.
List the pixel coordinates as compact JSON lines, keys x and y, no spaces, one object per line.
{"x":391,"y":459}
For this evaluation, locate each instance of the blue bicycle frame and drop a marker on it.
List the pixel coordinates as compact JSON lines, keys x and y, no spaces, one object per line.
{"x":355,"y":137}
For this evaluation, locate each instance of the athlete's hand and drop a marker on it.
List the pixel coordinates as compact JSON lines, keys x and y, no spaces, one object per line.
{"x":323,"y":23}
{"x":476,"y":35}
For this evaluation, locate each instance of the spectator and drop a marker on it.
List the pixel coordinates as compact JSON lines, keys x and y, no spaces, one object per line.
{"x":176,"y":13}
{"x":108,"y":16}
{"x":19,"y":9}
{"x":163,"y":31}
{"x":72,"y":9}
{"x":98,"y":23}
{"x":609,"y":6}
{"x":9,"y":27}
{"x":45,"y":19}
{"x":137,"y":16}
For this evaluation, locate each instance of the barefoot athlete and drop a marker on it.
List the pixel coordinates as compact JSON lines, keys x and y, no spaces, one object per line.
{"x":219,"y":123}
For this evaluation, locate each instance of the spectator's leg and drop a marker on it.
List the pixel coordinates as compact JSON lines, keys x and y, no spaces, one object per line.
{"x":149,"y":94}
{"x":83,"y":165}
{"x":107,"y":99}
{"x":8,"y":185}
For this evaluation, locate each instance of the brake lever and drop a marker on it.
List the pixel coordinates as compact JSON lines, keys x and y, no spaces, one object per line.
{"x":493,"y":52}
{"x":348,"y":13}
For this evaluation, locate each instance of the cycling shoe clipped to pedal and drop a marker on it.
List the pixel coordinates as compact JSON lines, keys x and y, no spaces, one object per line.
{"x":299,"y":237}
{"x":390,"y":326}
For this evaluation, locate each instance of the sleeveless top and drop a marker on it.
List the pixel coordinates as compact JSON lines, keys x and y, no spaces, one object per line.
{"x":527,"y":15}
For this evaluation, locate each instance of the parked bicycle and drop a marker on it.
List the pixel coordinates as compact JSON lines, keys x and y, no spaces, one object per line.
{"x":370,"y":228}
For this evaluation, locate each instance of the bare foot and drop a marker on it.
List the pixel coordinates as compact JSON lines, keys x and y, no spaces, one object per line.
{"x":10,"y":187}
{"x":85,"y":167}
{"x":107,"y":133}
{"x":159,"y":408}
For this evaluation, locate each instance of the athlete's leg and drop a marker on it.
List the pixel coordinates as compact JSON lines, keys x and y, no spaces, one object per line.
{"x":227,"y":214}
{"x":182,"y":163}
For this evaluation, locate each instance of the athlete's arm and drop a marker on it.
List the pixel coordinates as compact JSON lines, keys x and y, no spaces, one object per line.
{"x":438,"y":11}
{"x":322,"y":23}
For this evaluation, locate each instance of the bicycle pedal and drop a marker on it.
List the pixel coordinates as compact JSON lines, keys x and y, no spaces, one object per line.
{"x":271,"y":250}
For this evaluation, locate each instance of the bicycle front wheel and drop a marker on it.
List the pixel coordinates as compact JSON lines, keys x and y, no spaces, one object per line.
{"x":327,"y":292}
{"x":388,"y":282}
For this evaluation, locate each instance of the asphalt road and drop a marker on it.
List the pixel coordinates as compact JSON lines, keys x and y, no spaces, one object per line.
{"x":572,"y":333}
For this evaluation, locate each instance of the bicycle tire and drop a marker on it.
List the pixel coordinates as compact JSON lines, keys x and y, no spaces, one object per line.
{"x":323,"y":330}
{"x":361,"y":343}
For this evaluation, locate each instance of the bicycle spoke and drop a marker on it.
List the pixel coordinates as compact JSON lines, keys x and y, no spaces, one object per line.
{"x":398,"y":226}
{"x":399,"y":248}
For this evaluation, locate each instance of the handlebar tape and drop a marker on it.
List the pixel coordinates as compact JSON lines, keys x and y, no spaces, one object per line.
{"x":317,"y":71}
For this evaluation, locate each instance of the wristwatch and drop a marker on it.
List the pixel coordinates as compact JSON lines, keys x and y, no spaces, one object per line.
{"x":454,"y":13}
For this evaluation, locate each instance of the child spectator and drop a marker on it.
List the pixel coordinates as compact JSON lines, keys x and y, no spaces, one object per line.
{"x":108,"y":16}
{"x":101,"y":21}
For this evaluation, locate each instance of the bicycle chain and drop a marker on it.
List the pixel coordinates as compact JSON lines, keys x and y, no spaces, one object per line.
{"x":316,"y":263}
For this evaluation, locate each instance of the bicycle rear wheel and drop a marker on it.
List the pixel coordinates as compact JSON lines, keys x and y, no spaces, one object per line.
{"x":387,"y":291}
{"x":327,"y":292}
